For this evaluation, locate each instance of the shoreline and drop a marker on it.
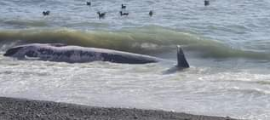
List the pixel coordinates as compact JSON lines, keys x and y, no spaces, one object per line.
{"x":17,"y":108}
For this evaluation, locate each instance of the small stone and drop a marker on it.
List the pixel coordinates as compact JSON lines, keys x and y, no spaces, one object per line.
{"x":2,"y":113}
{"x":47,"y":105}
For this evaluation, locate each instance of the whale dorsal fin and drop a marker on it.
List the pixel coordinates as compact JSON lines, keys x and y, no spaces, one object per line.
{"x":181,"y":59}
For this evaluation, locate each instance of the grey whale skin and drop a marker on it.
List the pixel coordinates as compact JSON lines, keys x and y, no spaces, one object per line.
{"x":78,"y":54}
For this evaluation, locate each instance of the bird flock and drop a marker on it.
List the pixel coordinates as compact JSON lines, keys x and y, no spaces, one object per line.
{"x":101,"y":15}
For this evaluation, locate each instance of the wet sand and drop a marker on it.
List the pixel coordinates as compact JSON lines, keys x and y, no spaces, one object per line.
{"x":23,"y":109}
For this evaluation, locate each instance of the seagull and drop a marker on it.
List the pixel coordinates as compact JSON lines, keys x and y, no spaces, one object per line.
{"x":123,"y":13}
{"x":88,"y":3}
{"x":151,"y":13}
{"x":101,"y":15}
{"x":206,"y":2}
{"x":45,"y":13}
{"x":123,"y":6}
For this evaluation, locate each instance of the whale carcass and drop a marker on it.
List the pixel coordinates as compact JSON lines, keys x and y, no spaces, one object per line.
{"x":78,"y":54}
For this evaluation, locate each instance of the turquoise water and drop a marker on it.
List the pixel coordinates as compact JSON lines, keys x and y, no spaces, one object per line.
{"x":226,"y":45}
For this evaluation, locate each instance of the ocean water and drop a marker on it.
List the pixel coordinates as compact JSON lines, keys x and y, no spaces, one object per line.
{"x":226,"y":44}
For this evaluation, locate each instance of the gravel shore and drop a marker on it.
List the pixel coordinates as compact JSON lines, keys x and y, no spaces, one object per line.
{"x":23,"y":109}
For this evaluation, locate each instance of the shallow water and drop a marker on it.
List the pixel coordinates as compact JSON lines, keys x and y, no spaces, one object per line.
{"x":225,"y":43}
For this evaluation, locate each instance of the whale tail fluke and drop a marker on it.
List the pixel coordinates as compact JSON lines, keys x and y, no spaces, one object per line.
{"x":181,"y":59}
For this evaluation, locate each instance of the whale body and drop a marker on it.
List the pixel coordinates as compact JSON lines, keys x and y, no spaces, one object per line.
{"x":78,"y":54}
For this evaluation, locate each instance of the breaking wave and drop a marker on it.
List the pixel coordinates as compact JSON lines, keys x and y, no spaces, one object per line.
{"x":143,"y":40}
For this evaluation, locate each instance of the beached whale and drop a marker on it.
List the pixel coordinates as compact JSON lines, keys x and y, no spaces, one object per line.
{"x":78,"y":54}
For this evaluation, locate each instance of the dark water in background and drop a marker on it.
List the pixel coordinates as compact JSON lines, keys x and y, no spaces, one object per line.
{"x":226,"y":43}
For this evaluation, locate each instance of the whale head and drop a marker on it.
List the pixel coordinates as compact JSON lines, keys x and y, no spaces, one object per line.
{"x":22,"y":51}
{"x":13,"y":51}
